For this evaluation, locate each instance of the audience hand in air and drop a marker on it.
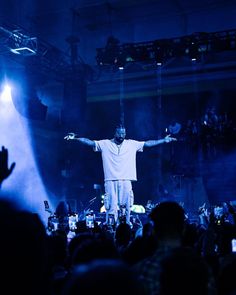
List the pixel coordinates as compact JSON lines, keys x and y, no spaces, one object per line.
{"x":4,"y":170}
{"x":168,"y":139}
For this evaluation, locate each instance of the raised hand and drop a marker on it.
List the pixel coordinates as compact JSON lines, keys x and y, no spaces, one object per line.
{"x":70,"y":136}
{"x":168,"y":139}
{"x":4,"y":170}
{"x":203,"y":210}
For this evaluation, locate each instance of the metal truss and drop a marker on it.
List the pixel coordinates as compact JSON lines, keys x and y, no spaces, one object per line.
{"x":192,"y":46}
{"x":38,"y":55}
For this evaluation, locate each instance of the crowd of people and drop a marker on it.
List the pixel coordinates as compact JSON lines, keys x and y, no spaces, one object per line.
{"x":211,"y":132}
{"x":165,"y":255}
{"x":206,"y":138}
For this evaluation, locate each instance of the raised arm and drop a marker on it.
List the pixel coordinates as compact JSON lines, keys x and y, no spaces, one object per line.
{"x":5,"y":171}
{"x":86,"y":141}
{"x":167,"y":139}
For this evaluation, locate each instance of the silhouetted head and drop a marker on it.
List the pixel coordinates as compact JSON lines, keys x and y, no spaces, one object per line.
{"x":103,"y":276}
{"x":168,"y":218}
{"x":62,"y":209}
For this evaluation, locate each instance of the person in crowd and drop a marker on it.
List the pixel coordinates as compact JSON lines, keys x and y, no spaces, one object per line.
{"x":62,"y":214}
{"x":119,"y":166}
{"x":169,"y":224}
{"x":184,"y":271}
{"x":211,"y":118}
{"x":210,"y":133}
{"x":23,"y":250}
{"x":103,"y":276}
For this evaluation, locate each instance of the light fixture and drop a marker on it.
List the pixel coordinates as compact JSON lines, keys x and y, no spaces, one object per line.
{"x":19,"y":43}
{"x":23,"y":51}
{"x":23,"y":45}
{"x":194,"y":46}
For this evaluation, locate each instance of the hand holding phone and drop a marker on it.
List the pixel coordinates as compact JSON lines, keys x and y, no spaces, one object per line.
{"x":89,"y":220}
{"x":233,"y":243}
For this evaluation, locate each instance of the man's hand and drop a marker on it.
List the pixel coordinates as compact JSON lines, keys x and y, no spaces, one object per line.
{"x":168,"y":139}
{"x":70,"y":136}
{"x":4,"y":170}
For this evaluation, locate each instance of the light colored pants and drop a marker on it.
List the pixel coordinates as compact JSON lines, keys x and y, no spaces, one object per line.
{"x":118,"y":193}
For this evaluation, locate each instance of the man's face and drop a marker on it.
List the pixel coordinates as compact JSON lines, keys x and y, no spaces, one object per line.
{"x":120,"y":135}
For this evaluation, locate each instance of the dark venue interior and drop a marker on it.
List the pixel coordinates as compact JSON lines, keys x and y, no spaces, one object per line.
{"x":85,"y":87}
{"x":86,"y":64}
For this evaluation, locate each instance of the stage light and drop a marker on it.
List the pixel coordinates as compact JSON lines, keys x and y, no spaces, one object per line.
{"x":138,"y":209}
{"x":19,"y":43}
{"x":194,"y":46}
{"x":25,"y":184}
{"x":6,"y":93}
{"x":23,"y":50}
{"x":22,"y":44}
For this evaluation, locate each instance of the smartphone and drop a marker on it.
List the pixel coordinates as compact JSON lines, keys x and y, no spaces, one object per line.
{"x":111,"y":219}
{"x":46,"y":204}
{"x":233,"y":243}
{"x":89,"y":220}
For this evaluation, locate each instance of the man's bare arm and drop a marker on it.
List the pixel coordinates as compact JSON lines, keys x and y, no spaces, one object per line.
{"x":86,"y":141}
{"x":167,"y":139}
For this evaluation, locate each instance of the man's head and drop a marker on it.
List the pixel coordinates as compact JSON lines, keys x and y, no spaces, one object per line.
{"x":169,"y":219}
{"x":120,"y":134}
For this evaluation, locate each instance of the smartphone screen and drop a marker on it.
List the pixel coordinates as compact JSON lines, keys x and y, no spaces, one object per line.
{"x":89,"y":221}
{"x":111,"y":219}
{"x":233,"y":242}
{"x":46,"y":204}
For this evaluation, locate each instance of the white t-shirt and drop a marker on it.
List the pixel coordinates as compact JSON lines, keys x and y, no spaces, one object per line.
{"x":119,"y":161}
